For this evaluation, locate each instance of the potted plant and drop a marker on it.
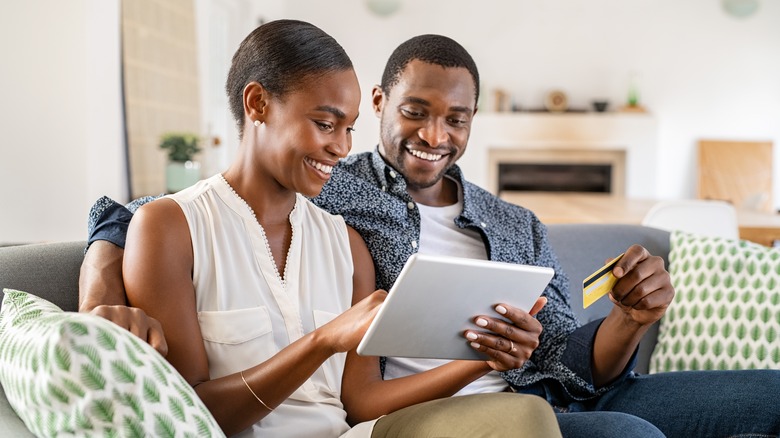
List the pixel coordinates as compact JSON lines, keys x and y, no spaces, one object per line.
{"x":182,"y":170}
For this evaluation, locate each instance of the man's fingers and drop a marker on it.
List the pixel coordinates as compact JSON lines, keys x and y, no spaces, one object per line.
{"x":156,"y":338}
{"x":634,"y":255}
{"x":137,"y":322}
{"x":538,"y":305}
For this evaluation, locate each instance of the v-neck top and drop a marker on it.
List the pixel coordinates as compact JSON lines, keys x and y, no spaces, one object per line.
{"x":247,"y":313}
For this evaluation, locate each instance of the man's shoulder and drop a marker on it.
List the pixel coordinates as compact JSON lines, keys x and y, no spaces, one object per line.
{"x":351,"y":177}
{"x":355,"y":163}
{"x":482,"y":200}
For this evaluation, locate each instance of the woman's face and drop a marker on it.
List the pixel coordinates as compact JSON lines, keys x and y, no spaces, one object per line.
{"x":308,"y":130}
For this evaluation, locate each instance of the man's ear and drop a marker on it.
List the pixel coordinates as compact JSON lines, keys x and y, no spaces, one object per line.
{"x":377,"y":100}
{"x":255,"y":100}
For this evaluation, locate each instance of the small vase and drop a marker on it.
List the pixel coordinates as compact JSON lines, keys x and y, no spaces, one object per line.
{"x":180,"y":175}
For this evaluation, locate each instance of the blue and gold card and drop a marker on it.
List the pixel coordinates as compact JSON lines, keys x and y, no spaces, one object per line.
{"x":599,"y":283}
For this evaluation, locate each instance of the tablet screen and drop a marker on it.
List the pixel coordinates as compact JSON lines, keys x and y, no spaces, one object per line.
{"x":436,"y":298}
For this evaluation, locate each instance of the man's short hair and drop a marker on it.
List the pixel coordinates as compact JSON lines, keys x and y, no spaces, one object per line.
{"x":433,"y":49}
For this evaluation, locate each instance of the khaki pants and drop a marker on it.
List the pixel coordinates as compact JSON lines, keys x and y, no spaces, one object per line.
{"x":473,"y":416}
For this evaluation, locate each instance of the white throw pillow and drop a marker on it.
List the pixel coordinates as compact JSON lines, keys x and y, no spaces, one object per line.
{"x":75,"y":374}
{"x":726,"y":311}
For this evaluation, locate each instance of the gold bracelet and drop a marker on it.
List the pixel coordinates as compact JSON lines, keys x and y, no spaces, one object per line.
{"x":253,"y":393}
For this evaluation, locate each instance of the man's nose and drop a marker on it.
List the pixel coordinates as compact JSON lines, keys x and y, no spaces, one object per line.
{"x":434,"y":132}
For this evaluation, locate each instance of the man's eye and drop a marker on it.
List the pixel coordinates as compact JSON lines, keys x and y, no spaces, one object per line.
{"x":458,"y":122}
{"x":324,"y":126}
{"x":411,"y":114}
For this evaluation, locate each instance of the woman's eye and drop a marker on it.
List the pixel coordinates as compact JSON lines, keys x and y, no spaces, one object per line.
{"x":350,"y":130}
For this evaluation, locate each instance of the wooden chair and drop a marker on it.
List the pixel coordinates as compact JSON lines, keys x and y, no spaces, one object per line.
{"x":739,"y":172}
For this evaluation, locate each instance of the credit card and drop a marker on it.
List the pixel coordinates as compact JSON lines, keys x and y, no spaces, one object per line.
{"x":599,"y":283}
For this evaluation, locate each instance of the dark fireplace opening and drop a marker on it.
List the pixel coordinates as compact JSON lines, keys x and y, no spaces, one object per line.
{"x":558,"y":177}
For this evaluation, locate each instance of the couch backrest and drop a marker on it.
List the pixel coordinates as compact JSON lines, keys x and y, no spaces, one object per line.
{"x":49,"y":270}
{"x":583,"y":248}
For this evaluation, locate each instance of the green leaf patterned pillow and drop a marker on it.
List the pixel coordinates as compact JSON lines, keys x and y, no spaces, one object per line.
{"x":726,"y":310}
{"x":74,"y":374}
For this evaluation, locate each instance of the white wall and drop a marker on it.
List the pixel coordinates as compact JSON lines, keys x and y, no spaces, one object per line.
{"x":61,"y":137}
{"x":702,"y":74}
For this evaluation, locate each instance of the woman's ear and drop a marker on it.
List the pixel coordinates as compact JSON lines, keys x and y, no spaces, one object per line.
{"x":255,"y":100}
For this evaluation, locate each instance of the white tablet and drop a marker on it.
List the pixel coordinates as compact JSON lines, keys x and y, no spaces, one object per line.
{"x":436,"y":298}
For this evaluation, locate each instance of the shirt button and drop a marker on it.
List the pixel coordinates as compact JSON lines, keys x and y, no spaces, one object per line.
{"x":384,"y":188}
{"x":410,"y":205}
{"x":414,"y":244}
{"x":482,"y":224}
{"x":392,"y":174}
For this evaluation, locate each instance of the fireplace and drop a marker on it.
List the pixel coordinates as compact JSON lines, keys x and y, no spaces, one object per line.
{"x":557,"y":170}
{"x":560,"y":177}
{"x":617,"y":149}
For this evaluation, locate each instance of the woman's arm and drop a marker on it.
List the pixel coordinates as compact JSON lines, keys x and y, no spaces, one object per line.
{"x":157,"y":269}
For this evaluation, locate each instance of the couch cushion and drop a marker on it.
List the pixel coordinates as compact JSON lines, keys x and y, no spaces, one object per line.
{"x":726,"y":311}
{"x":68,"y":373}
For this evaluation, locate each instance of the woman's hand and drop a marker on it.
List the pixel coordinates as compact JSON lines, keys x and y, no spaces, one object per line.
{"x":345,"y":331}
{"x":509,"y":344}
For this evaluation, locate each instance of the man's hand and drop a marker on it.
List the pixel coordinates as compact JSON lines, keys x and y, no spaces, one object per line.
{"x":137,"y":322}
{"x":644,"y":289}
{"x":509,"y":344}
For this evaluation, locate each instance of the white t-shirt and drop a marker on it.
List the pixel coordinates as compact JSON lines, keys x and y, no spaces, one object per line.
{"x":440,"y":236}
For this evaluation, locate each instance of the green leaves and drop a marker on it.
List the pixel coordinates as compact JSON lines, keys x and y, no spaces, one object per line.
{"x":92,"y":378}
{"x":122,"y":372}
{"x":726,"y":310}
{"x":70,"y":374}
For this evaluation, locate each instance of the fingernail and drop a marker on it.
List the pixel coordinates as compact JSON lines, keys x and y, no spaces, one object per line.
{"x":501,"y":309}
{"x":475,"y":345}
{"x":471,"y":336}
{"x":481,"y":322}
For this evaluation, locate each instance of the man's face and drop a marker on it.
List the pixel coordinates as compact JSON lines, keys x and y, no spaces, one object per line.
{"x":425,"y":121}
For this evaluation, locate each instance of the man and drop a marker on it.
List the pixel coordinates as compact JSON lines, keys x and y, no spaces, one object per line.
{"x":410,"y":196}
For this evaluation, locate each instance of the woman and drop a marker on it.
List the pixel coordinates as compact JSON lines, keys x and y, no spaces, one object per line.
{"x":245,"y":275}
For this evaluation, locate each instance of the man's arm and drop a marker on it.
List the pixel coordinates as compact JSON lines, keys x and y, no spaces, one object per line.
{"x":101,"y":286}
{"x":641,"y":297}
{"x":100,"y":278}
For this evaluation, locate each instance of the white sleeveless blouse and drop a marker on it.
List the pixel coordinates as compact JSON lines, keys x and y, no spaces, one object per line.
{"x":247,"y":313}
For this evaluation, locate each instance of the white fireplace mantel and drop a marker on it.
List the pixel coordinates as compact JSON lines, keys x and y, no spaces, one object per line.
{"x":633,"y":133}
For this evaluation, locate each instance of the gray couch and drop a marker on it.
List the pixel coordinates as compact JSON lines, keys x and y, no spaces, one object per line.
{"x":51,"y":271}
